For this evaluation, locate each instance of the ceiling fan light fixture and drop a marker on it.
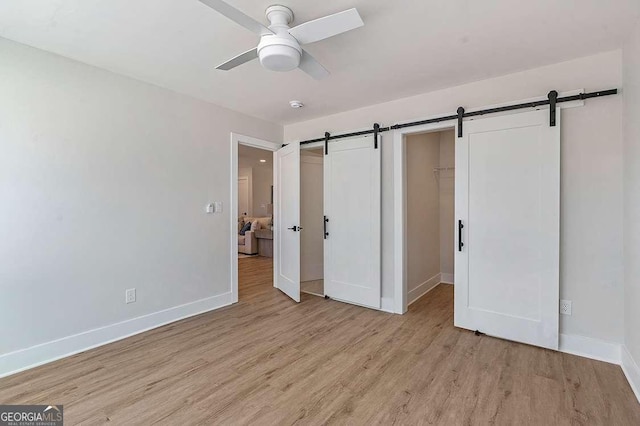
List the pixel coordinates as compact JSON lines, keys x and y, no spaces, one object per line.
{"x":279,"y":48}
{"x":278,"y":53}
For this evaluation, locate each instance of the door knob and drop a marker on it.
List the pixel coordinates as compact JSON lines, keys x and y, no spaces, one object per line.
{"x":293,"y":228}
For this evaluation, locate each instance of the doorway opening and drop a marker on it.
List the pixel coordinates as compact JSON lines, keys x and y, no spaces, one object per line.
{"x":430,"y":213}
{"x":251,"y":216}
{"x":423,"y":255}
{"x":255,"y":220}
{"x":313,"y":220}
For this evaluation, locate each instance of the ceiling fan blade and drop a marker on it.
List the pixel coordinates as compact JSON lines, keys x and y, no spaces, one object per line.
{"x":237,"y":16}
{"x":239,"y":60}
{"x":312,"y":67}
{"x":326,"y":27}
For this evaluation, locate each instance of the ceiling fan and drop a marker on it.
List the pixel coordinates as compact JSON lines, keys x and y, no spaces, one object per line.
{"x":279,"y":48}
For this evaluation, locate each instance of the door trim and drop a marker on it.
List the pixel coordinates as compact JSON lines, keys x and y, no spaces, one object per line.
{"x":235,"y":140}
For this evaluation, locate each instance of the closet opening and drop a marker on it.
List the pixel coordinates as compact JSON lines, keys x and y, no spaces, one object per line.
{"x":312,"y":221}
{"x":430,"y":215}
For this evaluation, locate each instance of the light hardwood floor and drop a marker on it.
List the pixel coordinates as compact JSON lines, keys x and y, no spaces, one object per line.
{"x":268,"y":360}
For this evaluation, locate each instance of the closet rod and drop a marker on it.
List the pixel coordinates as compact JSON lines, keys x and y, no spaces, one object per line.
{"x":534,"y":104}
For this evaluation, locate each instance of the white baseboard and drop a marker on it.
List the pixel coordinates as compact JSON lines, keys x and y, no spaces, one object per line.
{"x":423,"y":289}
{"x":446,"y":278}
{"x":631,"y":370}
{"x":603,"y":350}
{"x":588,"y":347}
{"x":24,"y":359}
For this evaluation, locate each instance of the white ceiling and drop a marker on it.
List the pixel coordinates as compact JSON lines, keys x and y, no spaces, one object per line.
{"x":406,"y":46}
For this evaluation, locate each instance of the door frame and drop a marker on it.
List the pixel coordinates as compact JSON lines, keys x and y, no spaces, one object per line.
{"x":399,"y":188}
{"x":239,"y":139}
{"x":400,"y":208}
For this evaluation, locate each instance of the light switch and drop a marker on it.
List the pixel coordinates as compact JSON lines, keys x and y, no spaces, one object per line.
{"x":217,"y":207}
{"x":209,"y":208}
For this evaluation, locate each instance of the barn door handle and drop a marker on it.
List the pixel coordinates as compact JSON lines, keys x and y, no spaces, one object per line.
{"x":460,"y":243}
{"x":293,"y":228}
{"x":326,"y":234}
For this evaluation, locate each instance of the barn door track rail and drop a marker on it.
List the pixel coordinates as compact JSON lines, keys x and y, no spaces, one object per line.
{"x":552,"y":100}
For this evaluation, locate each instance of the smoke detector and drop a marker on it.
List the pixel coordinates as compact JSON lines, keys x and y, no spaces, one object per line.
{"x":296,"y":104}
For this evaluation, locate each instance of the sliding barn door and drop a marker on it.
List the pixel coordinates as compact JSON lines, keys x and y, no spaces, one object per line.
{"x":507,"y":227}
{"x":352,"y":208}
{"x":287,"y":220}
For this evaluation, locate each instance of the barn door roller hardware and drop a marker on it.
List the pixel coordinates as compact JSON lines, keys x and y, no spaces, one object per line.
{"x":552,"y":100}
{"x":376,"y":130}
{"x":327,"y":135}
{"x":460,"y":112}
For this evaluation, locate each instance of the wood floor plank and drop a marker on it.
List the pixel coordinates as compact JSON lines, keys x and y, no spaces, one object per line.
{"x":268,"y":360}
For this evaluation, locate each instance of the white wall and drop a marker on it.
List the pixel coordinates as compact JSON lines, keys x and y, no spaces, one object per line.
{"x":591,"y":237}
{"x":260,"y":178}
{"x":631,"y":55}
{"x":247,"y":172}
{"x":423,"y":213}
{"x":311,"y":217}
{"x":446,"y":185}
{"x":103,"y":183}
{"x":261,"y":183}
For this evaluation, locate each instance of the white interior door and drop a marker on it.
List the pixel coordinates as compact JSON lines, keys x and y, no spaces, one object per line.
{"x":352,"y":206}
{"x":243,"y":195}
{"x":508,"y":202}
{"x":287,"y":220}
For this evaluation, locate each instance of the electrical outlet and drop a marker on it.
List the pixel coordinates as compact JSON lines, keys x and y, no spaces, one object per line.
{"x":130,"y":295}
{"x":565,"y":307}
